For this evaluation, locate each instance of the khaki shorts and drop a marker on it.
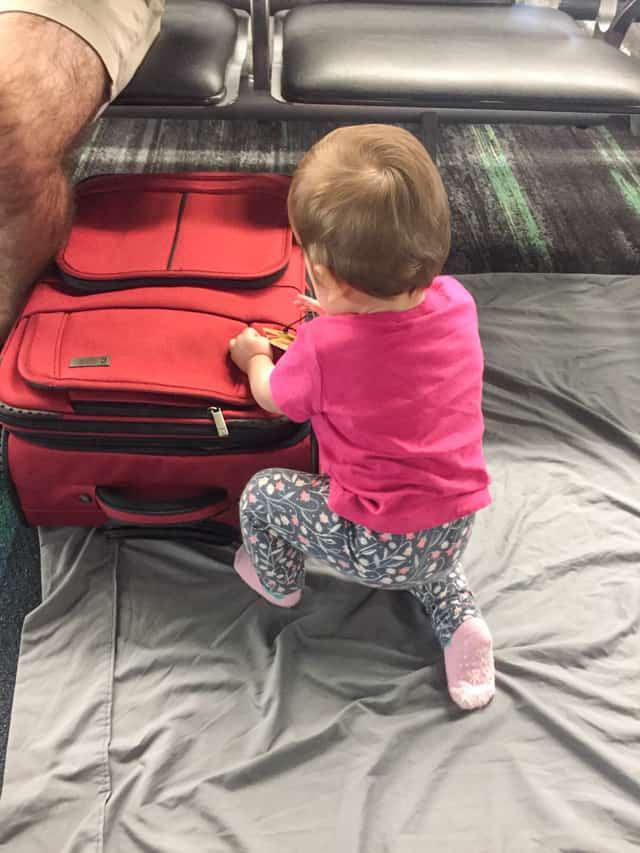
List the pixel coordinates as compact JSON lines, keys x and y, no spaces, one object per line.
{"x":120,"y":31}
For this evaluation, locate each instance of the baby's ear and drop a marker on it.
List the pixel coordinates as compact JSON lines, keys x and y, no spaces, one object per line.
{"x":319,"y":272}
{"x":323,"y":276}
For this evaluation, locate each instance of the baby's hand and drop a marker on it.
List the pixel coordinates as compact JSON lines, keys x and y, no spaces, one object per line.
{"x":306,"y":303}
{"x":248,"y":344}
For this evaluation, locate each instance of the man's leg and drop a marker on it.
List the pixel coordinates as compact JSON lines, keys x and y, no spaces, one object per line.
{"x":61,"y":61}
{"x":51,"y":85}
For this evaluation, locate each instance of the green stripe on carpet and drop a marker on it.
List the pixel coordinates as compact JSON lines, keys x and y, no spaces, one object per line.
{"x":622,"y":170}
{"x":509,"y":193}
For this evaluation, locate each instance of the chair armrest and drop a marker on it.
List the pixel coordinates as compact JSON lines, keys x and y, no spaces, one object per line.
{"x":261,"y":43}
{"x":614,"y":19}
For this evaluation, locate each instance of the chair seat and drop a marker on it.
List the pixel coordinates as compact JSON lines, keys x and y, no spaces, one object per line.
{"x":518,"y":58}
{"x":187,"y":64}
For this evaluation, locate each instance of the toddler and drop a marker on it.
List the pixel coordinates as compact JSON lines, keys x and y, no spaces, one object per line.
{"x":390,"y":375}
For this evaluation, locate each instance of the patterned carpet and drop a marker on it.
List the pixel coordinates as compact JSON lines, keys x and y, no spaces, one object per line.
{"x":526,"y":199}
{"x":19,"y":593}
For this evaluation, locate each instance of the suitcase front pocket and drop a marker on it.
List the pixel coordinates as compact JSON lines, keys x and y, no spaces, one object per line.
{"x":169,"y":353}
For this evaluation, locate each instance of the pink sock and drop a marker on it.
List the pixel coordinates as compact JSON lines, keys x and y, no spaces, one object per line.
{"x":468,"y":661}
{"x":245,"y":568}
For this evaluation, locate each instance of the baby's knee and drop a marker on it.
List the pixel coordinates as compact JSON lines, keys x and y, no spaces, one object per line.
{"x":263,"y":482}
{"x":264,"y":489}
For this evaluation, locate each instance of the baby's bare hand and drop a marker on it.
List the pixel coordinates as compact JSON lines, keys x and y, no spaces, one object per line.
{"x":247,"y":345}
{"x":306,"y":303}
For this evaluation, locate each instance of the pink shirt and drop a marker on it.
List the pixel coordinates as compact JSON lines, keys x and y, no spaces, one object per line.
{"x":395,"y":402}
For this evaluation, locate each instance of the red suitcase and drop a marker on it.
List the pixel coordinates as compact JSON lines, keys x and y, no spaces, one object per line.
{"x":119,"y":403}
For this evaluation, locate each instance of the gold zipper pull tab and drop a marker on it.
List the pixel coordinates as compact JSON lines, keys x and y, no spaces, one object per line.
{"x":219,"y":421}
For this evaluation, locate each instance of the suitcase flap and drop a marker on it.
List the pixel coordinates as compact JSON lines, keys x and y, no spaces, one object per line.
{"x":116,"y":351}
{"x":217,"y":229}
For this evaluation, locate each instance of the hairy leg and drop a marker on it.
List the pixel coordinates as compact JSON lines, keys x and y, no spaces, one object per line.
{"x":51,"y":85}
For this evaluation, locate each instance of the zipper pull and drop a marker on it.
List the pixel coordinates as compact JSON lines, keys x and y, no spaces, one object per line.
{"x":218,"y":419}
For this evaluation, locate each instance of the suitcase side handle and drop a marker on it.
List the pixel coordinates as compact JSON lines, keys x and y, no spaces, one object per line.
{"x":139,"y":511}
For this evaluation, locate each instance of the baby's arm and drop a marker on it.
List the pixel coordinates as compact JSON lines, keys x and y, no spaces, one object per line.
{"x":252,"y":354}
{"x":292,"y":387}
{"x":259,"y":373}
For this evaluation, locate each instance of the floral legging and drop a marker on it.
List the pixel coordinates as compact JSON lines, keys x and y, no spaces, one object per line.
{"x":285,"y":517}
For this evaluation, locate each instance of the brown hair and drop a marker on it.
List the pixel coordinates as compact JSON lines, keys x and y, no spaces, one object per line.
{"x":368,"y":203}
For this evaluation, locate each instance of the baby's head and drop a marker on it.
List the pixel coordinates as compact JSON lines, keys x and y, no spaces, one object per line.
{"x":369,"y":209}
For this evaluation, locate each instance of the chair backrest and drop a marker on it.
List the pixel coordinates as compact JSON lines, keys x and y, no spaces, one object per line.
{"x":282,"y":5}
{"x":261,"y":11}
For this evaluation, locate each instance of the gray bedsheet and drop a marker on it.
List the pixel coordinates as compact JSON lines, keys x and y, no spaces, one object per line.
{"x":160,"y":706}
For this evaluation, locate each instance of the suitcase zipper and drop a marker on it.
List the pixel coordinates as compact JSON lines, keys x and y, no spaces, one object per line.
{"x":232,"y":435}
{"x":165,"y":446}
{"x":141,"y":410}
{"x":219,"y":421}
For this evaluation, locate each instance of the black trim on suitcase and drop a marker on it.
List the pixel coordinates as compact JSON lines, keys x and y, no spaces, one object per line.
{"x":208,"y":532}
{"x":114,"y":499}
{"x":81,"y":285}
{"x":176,"y":233}
{"x":147,"y":410}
